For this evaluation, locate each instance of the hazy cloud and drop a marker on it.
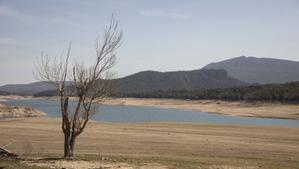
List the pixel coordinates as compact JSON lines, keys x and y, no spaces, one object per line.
{"x":6,"y":11}
{"x":10,"y":41}
{"x":165,"y":14}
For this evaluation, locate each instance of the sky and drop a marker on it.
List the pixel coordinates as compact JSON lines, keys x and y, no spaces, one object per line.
{"x":161,"y":35}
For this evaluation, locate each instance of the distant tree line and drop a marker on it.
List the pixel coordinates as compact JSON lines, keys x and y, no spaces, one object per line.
{"x":3,"y":93}
{"x":288,"y":92}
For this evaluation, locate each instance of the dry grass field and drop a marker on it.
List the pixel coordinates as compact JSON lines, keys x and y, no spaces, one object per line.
{"x":154,"y":145}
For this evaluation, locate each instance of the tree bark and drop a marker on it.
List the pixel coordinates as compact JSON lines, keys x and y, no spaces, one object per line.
{"x":69,"y":144}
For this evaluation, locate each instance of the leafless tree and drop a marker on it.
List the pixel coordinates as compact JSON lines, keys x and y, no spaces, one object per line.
{"x":88,"y":84}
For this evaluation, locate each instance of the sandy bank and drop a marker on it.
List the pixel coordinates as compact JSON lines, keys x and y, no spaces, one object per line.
{"x":171,"y":145}
{"x":6,"y":97}
{"x":19,"y":111}
{"x":273,"y":110}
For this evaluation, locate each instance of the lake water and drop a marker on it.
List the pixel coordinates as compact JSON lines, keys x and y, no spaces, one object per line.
{"x":120,"y":113}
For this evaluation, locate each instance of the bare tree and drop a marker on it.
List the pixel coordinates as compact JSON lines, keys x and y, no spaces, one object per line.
{"x":89,"y":84}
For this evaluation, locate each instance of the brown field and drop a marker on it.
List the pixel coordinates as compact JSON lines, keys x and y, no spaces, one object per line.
{"x":235,"y":108}
{"x":156,"y":145}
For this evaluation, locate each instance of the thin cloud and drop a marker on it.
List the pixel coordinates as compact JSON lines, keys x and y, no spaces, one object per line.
{"x":165,"y":14}
{"x":10,"y":41}
{"x":9,"y":12}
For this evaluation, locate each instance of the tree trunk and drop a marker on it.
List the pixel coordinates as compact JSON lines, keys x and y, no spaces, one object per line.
{"x":69,"y":144}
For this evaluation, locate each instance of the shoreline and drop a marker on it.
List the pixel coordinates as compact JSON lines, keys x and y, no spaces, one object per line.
{"x":273,"y":110}
{"x":232,"y":108}
{"x":14,"y":112}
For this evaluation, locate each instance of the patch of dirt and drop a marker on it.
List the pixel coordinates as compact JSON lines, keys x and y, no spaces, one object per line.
{"x":231,"y":167}
{"x":81,"y":164}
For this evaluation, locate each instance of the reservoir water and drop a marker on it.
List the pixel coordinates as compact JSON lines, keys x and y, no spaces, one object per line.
{"x":120,"y":113}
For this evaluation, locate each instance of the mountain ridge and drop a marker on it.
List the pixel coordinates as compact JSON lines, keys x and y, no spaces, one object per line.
{"x":148,"y":81}
{"x":26,"y":89}
{"x":232,"y":72}
{"x":259,"y":70}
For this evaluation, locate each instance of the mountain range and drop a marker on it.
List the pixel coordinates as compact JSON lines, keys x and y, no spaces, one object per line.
{"x":239,"y":71}
{"x":259,"y":70}
{"x":26,"y":89}
{"x":149,"y":81}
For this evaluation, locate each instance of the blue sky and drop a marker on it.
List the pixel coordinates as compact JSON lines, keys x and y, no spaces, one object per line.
{"x":159,"y":35}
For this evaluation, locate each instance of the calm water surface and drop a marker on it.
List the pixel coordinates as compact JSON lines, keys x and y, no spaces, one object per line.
{"x":119,"y":113}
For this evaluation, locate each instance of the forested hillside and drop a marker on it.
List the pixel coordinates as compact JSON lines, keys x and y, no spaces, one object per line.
{"x":288,"y":92}
{"x":150,"y":81}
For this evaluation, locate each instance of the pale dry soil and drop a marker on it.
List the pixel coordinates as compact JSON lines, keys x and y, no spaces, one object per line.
{"x":19,"y":111}
{"x":3,"y":98}
{"x":154,"y":145}
{"x":234,"y":108}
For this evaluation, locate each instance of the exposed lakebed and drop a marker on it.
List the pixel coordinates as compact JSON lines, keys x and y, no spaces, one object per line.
{"x":124,"y":113}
